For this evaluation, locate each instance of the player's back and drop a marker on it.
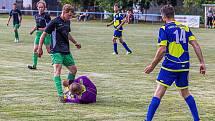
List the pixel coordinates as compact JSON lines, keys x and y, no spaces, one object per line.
{"x":176,"y":37}
{"x":90,"y":91}
{"x":84,"y":80}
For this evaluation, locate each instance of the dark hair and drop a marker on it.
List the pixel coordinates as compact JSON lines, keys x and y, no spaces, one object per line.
{"x":116,"y":4}
{"x":67,"y":8}
{"x":14,"y":4}
{"x":167,"y":11}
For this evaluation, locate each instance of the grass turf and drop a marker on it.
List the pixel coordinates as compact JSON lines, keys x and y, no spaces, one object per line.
{"x":124,"y":91}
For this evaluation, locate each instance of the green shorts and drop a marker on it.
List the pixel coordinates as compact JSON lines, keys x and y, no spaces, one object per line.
{"x":16,"y":26}
{"x":66,"y":60}
{"x":47,"y":40}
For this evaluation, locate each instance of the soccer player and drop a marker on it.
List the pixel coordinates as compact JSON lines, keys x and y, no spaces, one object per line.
{"x":59,"y":29}
{"x":118,"y":22}
{"x":174,"y":39}
{"x":82,"y":91}
{"x":17,"y":19}
{"x":41,"y":19}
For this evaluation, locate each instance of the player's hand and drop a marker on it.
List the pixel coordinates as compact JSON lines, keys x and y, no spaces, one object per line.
{"x":202,"y":69}
{"x":40,"y":52}
{"x":108,"y":25}
{"x":31,"y":32}
{"x":149,"y":69}
{"x":66,"y":83}
{"x":78,"y":45}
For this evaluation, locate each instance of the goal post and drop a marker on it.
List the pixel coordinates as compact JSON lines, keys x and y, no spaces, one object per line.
{"x":206,"y":8}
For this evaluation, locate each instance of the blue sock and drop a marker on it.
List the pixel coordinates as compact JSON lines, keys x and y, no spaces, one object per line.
{"x":115,"y":48}
{"x":192,"y":105}
{"x":152,"y":108}
{"x":126,"y":47}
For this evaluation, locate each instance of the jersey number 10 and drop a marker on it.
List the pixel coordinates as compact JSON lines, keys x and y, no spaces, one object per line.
{"x":180,"y":37}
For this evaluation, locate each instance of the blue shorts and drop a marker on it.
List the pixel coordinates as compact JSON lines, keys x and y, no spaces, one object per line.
{"x":117,"y":34}
{"x":166,"y":78}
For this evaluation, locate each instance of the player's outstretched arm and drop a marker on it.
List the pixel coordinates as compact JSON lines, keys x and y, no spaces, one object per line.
{"x":74,"y":41}
{"x":158,"y":56}
{"x":8,"y":20}
{"x":32,"y":30}
{"x":40,"y":50}
{"x":20,"y":19}
{"x":109,"y":24}
{"x":198,"y":52}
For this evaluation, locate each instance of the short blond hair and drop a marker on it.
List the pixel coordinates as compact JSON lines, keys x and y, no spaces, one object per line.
{"x":67,"y":8}
{"x":43,"y":2}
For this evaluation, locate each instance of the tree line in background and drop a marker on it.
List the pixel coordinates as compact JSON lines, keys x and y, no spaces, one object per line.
{"x":128,"y":4}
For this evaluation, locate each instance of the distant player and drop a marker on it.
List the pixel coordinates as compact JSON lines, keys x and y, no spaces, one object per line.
{"x":174,"y":39}
{"x":118,"y":22}
{"x":82,"y":90}
{"x":59,"y":29}
{"x":210,"y":15}
{"x":17,"y":19}
{"x":41,"y":19}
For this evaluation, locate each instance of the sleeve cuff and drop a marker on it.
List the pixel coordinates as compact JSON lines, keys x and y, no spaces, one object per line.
{"x":191,"y":38}
{"x":163,"y":43}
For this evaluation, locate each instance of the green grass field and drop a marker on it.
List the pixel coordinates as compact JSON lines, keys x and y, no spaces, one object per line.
{"x":124,"y":91}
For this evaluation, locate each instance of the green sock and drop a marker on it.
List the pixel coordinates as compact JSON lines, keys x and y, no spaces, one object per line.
{"x":58,"y":85}
{"x":16,"y":34}
{"x":71,"y":77}
{"x":35,"y":59}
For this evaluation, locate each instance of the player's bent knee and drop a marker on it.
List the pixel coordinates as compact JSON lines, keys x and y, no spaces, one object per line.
{"x":184,"y":93}
{"x":35,"y":49}
{"x":121,"y":40}
{"x":57,"y":69}
{"x":114,"y":40}
{"x":160,"y":91}
{"x":73,"y":69}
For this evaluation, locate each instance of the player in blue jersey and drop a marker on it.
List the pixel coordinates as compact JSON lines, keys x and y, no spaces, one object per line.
{"x":17,"y":19}
{"x":174,"y":39}
{"x":118,"y":22}
{"x":59,"y":29}
{"x":41,"y":19}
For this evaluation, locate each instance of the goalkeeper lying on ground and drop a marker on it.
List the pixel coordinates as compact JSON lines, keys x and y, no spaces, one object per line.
{"x":82,"y":90}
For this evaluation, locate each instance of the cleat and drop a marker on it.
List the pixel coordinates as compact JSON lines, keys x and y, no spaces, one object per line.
{"x":16,"y":40}
{"x":32,"y":67}
{"x":128,"y":52}
{"x":115,"y":53}
{"x":61,"y":99}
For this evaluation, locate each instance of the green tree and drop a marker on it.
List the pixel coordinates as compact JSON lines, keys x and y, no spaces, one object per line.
{"x":70,"y":2}
{"x":164,"y":2}
{"x":197,"y":3}
{"x":106,"y":4}
{"x":145,"y":5}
